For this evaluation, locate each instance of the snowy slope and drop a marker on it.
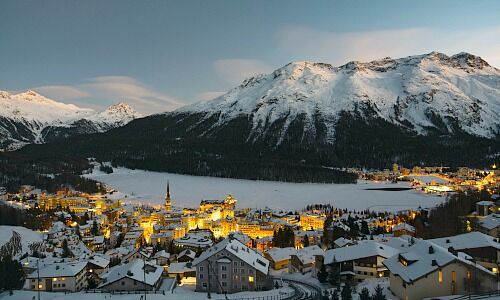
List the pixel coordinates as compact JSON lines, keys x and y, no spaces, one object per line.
{"x":27,"y":117}
{"x":26,"y":235}
{"x":416,"y":92}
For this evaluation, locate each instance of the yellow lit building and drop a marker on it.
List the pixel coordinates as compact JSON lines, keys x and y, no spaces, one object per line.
{"x":312,"y":222}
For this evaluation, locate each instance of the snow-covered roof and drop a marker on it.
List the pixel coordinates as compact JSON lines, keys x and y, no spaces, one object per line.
{"x":306,"y":255}
{"x":361,"y":250}
{"x":403,"y":226}
{"x":238,"y":249}
{"x":59,"y":270}
{"x":341,"y":242}
{"x":99,"y":261}
{"x":188,"y":253}
{"x":161,"y":253}
{"x":240,"y":236}
{"x":401,"y":242}
{"x":423,"y":258}
{"x":134,"y":270}
{"x":280,"y":254}
{"x":490,"y":221}
{"x":180,"y":268}
{"x":468,"y":240}
{"x":486,"y":203}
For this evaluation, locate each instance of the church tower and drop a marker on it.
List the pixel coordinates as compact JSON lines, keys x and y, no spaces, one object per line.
{"x":168,"y":201}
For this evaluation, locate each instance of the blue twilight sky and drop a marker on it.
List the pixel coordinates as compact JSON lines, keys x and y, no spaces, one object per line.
{"x":159,"y":55}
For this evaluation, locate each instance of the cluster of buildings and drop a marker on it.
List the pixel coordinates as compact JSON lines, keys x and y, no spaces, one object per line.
{"x":98,"y":242}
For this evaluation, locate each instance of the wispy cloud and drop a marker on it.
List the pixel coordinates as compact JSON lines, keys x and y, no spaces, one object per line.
{"x":302,"y":42}
{"x":237,"y":70}
{"x":98,"y":92}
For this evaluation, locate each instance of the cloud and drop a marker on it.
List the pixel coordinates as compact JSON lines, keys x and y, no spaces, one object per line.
{"x":102,"y":91}
{"x":237,"y":70}
{"x":305,"y":43}
{"x":205,"y":96}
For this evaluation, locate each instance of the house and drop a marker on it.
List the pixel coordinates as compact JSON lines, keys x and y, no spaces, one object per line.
{"x":313,"y":237}
{"x":133,"y":276}
{"x":482,"y":247}
{"x":230,"y":267}
{"x":161,"y":257}
{"x":194,"y":241}
{"x":303,"y":259}
{"x":59,"y":277}
{"x":490,"y":224}
{"x":245,"y":239}
{"x":428,"y":270}
{"x":181,"y":270}
{"x":361,"y":261}
{"x":403,"y":229}
{"x":279,"y":258}
{"x":186,"y":255}
{"x":343,"y":242}
{"x":97,"y":264}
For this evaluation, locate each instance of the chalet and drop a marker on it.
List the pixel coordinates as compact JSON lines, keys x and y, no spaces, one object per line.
{"x":490,"y":224}
{"x":230,"y":267}
{"x":279,"y":258}
{"x":187,"y":255}
{"x":403,"y":229}
{"x":482,"y":247}
{"x":428,"y":270}
{"x":59,"y":277}
{"x":361,"y":261}
{"x":133,"y":276}
{"x":303,"y":259}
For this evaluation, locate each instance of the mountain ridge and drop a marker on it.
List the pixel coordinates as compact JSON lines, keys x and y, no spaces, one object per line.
{"x":29,"y":117}
{"x":408,"y":92}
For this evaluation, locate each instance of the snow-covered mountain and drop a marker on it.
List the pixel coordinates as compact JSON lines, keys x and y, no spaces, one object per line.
{"x":421,"y":94}
{"x":29,"y":117}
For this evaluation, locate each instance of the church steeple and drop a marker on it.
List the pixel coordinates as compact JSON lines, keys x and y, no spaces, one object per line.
{"x":168,"y":201}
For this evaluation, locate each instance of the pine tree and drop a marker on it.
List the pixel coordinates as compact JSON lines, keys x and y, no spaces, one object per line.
{"x":65,"y":249}
{"x":346,"y":293}
{"x":322,"y":274}
{"x":95,"y":228}
{"x":365,"y":294}
{"x":379,"y":293}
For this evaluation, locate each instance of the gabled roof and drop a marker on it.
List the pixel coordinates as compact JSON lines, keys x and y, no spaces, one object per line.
{"x":423,"y":258}
{"x":189,"y":253}
{"x":307,"y":255}
{"x":135,"y":271}
{"x":491,"y":221}
{"x":361,"y":250}
{"x":403,"y":226}
{"x":469,"y":240}
{"x":280,"y":254}
{"x":60,"y":270}
{"x":238,"y":249}
{"x":99,"y":261}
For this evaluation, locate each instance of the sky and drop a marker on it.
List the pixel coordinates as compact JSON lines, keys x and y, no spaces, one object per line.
{"x":160,"y":55}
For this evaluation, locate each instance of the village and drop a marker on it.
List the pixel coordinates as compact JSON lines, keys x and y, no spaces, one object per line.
{"x":98,"y":243}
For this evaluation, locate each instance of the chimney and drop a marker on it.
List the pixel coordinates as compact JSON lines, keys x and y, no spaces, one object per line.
{"x":434,"y":262}
{"x":431,"y":250}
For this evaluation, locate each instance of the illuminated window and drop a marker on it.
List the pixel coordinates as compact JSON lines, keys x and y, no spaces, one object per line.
{"x":468,"y":275}
{"x":54,"y":279}
{"x":440,"y":277}
{"x":250,"y":279}
{"x":453,"y":276}
{"x":40,"y":286}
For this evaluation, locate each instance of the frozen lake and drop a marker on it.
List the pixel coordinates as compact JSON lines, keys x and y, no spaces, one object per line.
{"x":187,"y":191}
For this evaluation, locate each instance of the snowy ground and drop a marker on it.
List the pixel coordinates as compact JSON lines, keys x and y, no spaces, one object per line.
{"x":180,"y":293}
{"x":187,"y":191}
